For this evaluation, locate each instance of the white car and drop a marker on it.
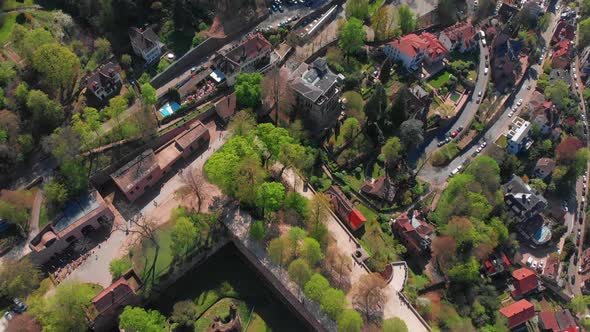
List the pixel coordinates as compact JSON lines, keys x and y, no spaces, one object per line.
{"x":541,"y":265}
{"x":529,"y":261}
{"x":485,"y":71}
{"x":513,"y":108}
{"x":479,"y":94}
{"x":585,"y":178}
{"x":478,"y":150}
{"x":456,"y":170}
{"x":534,"y":266}
{"x":510,"y":114}
{"x":519,"y":102}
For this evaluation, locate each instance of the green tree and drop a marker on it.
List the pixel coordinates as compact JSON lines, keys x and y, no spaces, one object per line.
{"x":581,"y":161}
{"x":58,"y":66}
{"x":19,"y":278}
{"x":392,"y":151}
{"x":316,"y":287}
{"x":184,"y":237}
{"x":119,"y":266}
{"x":333,"y":302}
{"x":7,"y":73}
{"x":75,"y":176}
{"x":22,"y":93}
{"x":352,"y":36}
{"x":299,"y":271}
{"x":273,"y":139}
{"x":382,"y":23}
{"x":270,"y":196}
{"x":394,"y":324}
{"x":349,"y":321}
{"x":56,"y":194}
{"x":148,"y":94}
{"x":296,"y":235}
{"x":293,"y":155}
{"x":467,"y":272}
{"x":116,"y":108}
{"x":102,"y":50}
{"x":407,"y":20}
{"x":311,"y":251}
{"x":135,"y":319}
{"x":280,"y":251}
{"x":29,"y":41}
{"x":318,"y":214}
{"x":559,"y":93}
{"x":543,"y":22}
{"x":184,"y":313}
{"x":247,"y":88}
{"x":46,"y":114}
{"x":65,"y":310}
{"x":584,"y":28}
{"x":247,"y":179}
{"x":257,"y":230}
{"x":412,"y":132}
{"x":358,"y":9}
{"x":126,"y":60}
{"x":295,"y":202}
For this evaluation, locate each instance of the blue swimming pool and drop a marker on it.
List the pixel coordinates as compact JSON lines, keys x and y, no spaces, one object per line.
{"x":169,"y":108}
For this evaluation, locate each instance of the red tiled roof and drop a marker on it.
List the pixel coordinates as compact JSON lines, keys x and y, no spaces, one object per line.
{"x":356,"y":219}
{"x":518,"y":312}
{"x":525,"y":280}
{"x":548,"y":320}
{"x":566,"y":321}
{"x":463,"y":31}
{"x":434,"y":47}
{"x":560,"y":49}
{"x":409,"y":45}
{"x":564,"y":30}
{"x":249,"y":49}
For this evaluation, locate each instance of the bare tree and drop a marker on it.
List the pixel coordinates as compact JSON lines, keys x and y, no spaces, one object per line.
{"x":275,"y":86}
{"x":195,"y":182}
{"x":368,"y":296}
{"x":340,"y":264}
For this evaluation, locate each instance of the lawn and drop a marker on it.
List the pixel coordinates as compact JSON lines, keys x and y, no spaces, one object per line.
{"x":472,"y":75}
{"x":455,"y":96}
{"x":43,"y":216}
{"x":354,"y":181}
{"x":13,"y":4}
{"x":444,"y":155}
{"x":7,"y":26}
{"x":440,"y":79}
{"x":502,"y":142}
{"x":377,"y":171}
{"x":367,"y":212}
{"x":144,"y":254}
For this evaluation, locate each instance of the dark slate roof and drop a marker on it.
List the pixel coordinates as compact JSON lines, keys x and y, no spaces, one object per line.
{"x":144,"y":38}
{"x":522,"y":200}
{"x":560,"y":74}
{"x":314,"y":80}
{"x":102,"y":76}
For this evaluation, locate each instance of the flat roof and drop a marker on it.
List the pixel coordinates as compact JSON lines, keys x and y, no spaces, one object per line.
{"x":188,"y":137}
{"x":134,"y":171}
{"x":76,"y":210}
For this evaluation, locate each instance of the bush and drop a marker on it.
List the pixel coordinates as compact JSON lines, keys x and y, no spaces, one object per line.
{"x":444,"y":155}
{"x":119,"y":266}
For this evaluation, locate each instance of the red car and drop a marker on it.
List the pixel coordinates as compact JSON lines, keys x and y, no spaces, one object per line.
{"x":454,"y":134}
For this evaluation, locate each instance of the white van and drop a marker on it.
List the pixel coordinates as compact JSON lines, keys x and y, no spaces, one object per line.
{"x":529,"y":261}
{"x":485,"y":71}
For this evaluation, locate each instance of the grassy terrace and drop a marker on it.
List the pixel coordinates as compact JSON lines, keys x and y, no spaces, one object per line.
{"x":7,"y":26}
{"x":440,"y":79}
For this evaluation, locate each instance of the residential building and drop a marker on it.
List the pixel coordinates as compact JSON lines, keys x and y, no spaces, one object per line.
{"x":417,"y":102}
{"x":317,"y":94}
{"x":522,"y":201}
{"x":226,"y":107}
{"x":146,"y":44}
{"x":560,"y":321}
{"x":344,"y":208}
{"x":518,"y":313}
{"x":459,"y":37}
{"x":380,"y":189}
{"x":145,"y":170}
{"x":551,"y":269}
{"x":564,"y":31}
{"x":524,"y":282}
{"x":250,"y":55}
{"x":496,"y":263}
{"x":544,"y":168}
{"x":412,"y":49}
{"x":415,"y":233}
{"x":103,"y":81}
{"x":518,"y":136}
{"x":585,"y":261}
{"x":79,"y":218}
{"x":562,"y":54}
{"x":109,"y":303}
{"x":505,"y":62}
{"x":543,"y":113}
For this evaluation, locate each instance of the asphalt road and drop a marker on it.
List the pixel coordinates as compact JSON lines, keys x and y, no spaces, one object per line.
{"x":439,"y":175}
{"x":433,"y":174}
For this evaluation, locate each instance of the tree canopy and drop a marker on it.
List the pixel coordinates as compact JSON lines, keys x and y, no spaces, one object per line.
{"x":135,"y":319}
{"x":247,"y":87}
{"x":58,"y":66}
{"x":407,"y":20}
{"x":352,"y":36}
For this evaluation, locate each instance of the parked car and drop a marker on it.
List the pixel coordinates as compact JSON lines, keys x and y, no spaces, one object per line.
{"x":454,"y":134}
{"x":510,"y":114}
{"x":573,"y":279}
{"x":441,"y":143}
{"x":485,"y":71}
{"x":460,"y":128}
{"x":541,"y":265}
{"x":479,"y":94}
{"x":447,"y":140}
{"x":529,"y":261}
{"x":519,"y":102}
{"x":456,"y":170}
{"x":534,"y":265}
{"x":484,"y":144}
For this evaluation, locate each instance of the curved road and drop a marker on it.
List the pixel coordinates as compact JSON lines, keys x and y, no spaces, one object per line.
{"x":439,"y":175}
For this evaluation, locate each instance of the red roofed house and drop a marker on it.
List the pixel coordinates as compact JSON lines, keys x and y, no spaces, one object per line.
{"x":435,"y":50}
{"x":109,"y":303}
{"x":518,"y":313}
{"x":344,"y":208}
{"x":459,"y":36}
{"x":412,"y":49}
{"x":525,"y":282}
{"x":562,"y":53}
{"x":380,"y":189}
{"x":409,"y":49}
{"x":561,"y":321}
{"x":585,"y":260}
{"x":252,"y":54}
{"x":416,"y":234}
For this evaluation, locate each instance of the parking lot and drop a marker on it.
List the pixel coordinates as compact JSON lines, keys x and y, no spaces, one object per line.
{"x":289,"y":10}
